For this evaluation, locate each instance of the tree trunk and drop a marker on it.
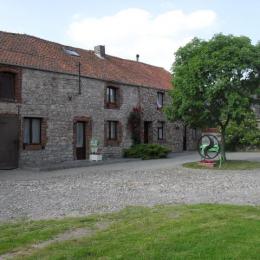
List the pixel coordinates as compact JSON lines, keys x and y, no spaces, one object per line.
{"x":223,"y":143}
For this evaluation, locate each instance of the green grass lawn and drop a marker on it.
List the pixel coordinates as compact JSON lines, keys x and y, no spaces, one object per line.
{"x":162,"y":232}
{"x":23,"y":233}
{"x":228,"y":165}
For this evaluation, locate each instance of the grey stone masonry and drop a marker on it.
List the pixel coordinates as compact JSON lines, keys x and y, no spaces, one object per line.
{"x":55,"y":98}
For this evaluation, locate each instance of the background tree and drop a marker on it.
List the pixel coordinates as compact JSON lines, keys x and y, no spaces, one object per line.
{"x":245,"y":135}
{"x":214,"y":82}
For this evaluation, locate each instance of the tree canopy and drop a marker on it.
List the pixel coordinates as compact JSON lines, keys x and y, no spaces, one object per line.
{"x":214,"y":81}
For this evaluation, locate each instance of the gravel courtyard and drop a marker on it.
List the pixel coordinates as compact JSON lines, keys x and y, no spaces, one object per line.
{"x":106,"y":188}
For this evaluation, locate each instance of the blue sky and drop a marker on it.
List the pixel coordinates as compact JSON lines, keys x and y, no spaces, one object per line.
{"x":154,"y":29}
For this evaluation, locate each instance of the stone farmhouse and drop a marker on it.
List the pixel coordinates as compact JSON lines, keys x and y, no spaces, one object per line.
{"x":55,"y":98}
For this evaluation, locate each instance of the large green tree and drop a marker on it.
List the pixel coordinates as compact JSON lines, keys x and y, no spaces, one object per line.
{"x":214,"y":82}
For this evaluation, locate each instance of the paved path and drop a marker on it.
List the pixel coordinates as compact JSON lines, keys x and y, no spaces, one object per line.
{"x":81,"y":191}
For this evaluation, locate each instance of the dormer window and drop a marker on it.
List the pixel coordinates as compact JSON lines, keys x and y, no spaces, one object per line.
{"x":7,"y":86}
{"x":70,"y":51}
{"x":160,"y":96}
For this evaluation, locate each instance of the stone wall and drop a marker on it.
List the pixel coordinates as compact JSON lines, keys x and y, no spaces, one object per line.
{"x":256,"y":108}
{"x":173,"y":131}
{"x":55,"y":98}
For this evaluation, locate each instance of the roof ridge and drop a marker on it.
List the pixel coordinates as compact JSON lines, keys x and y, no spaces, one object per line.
{"x":35,"y":37}
{"x":134,"y":61}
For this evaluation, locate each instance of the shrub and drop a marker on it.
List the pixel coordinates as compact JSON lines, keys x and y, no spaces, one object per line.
{"x":147,"y":151}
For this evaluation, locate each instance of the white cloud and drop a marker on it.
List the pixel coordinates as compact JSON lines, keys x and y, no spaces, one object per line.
{"x":133,"y":31}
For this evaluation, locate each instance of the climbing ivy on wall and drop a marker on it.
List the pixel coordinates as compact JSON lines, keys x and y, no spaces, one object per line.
{"x":134,"y":125}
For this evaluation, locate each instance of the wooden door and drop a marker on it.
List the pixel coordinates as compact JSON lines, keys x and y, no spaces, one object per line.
{"x":9,"y":136}
{"x":81,"y":140}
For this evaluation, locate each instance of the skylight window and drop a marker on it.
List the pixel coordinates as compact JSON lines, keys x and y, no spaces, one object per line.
{"x":70,"y":51}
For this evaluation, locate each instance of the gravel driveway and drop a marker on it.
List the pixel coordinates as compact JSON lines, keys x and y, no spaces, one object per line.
{"x":81,"y":191}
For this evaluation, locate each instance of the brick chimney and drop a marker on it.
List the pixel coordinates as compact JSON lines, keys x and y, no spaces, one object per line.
{"x":100,"y":51}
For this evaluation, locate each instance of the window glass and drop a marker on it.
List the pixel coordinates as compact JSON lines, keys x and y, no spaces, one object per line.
{"x":161,"y":131}
{"x":32,"y":131}
{"x":112,"y":130}
{"x":108,"y":94}
{"x":108,"y":130}
{"x":26,"y":131}
{"x":111,"y":95}
{"x":36,"y":131}
{"x":80,"y":134}
{"x":70,"y":51}
{"x":7,"y":81}
{"x":159,"y":99}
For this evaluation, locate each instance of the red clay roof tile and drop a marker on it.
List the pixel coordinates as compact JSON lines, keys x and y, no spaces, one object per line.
{"x":33,"y":52}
